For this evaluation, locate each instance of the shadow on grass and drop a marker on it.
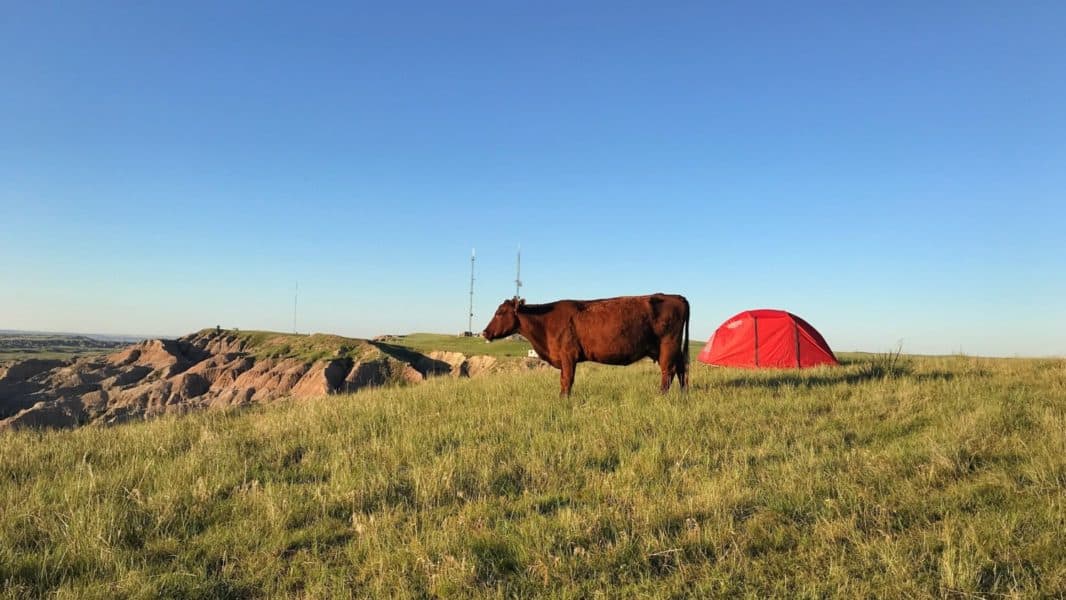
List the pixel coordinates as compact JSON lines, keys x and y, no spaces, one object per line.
{"x":879,"y":367}
{"x":791,"y":379}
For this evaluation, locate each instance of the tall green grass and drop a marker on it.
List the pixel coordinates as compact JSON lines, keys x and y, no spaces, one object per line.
{"x":948,"y":480}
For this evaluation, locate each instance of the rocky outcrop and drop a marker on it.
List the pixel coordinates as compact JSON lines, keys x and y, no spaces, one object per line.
{"x":64,"y":412}
{"x":323,"y":378}
{"x":205,"y":370}
{"x":442,"y":363}
{"x":457,"y":364}
{"x":22,"y":371}
{"x":477,"y":365}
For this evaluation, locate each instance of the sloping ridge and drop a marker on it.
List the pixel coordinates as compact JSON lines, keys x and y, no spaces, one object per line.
{"x":209,"y":369}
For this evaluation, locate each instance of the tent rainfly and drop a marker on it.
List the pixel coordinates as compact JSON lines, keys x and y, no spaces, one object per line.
{"x":765,"y":338}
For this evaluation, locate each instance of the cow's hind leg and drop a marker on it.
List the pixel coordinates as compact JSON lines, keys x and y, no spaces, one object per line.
{"x":677,"y":356}
{"x":682,"y":371}
{"x":669,"y":368}
{"x":566,"y":377}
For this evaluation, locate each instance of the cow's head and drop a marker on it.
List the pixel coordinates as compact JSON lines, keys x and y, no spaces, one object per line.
{"x":505,"y":321}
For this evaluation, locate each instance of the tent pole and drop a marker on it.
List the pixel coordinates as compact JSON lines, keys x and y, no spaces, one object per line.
{"x":756,"y":321}
{"x":796,"y":336}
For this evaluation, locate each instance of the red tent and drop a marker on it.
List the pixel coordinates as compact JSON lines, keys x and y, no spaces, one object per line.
{"x":764,"y":339}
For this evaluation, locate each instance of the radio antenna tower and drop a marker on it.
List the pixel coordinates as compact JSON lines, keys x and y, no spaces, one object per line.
{"x":470,"y":322}
{"x":518,"y":275}
{"x":295,"y":297}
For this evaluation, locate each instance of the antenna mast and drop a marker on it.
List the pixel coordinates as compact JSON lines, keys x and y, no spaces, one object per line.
{"x":295,"y":297}
{"x":518,"y":275}
{"x":470,"y":322}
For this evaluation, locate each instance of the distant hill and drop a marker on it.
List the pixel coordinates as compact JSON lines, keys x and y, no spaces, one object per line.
{"x":108,"y":337}
{"x":22,"y":345}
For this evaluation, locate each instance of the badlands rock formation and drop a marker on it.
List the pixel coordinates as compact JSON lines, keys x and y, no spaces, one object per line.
{"x":209,"y":369}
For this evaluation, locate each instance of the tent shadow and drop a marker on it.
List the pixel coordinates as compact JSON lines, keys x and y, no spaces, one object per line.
{"x":791,"y":379}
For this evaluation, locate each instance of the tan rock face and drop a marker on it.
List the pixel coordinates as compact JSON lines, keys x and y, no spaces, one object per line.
{"x":454,"y":360}
{"x":412,"y":375}
{"x":477,"y":365}
{"x":459,"y":365}
{"x":324,"y":377}
{"x":203,"y":370}
{"x":370,"y":373}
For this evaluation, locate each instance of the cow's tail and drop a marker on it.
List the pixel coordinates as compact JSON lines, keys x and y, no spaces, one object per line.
{"x":685,"y":349}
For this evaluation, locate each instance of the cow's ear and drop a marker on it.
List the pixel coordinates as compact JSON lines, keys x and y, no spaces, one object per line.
{"x":521,"y":302}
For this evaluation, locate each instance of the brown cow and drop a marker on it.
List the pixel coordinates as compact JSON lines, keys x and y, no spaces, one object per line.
{"x":614,"y":331}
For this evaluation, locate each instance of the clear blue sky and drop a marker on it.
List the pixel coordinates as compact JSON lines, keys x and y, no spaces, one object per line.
{"x":890,"y":173}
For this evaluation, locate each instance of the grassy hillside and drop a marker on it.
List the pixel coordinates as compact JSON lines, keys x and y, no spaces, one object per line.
{"x":942,"y":477}
{"x":316,"y":346}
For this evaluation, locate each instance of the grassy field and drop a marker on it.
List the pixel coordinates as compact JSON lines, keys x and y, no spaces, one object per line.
{"x":928,"y":477}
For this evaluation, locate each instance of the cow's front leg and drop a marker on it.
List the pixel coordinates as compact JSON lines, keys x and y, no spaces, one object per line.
{"x":566,"y":377}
